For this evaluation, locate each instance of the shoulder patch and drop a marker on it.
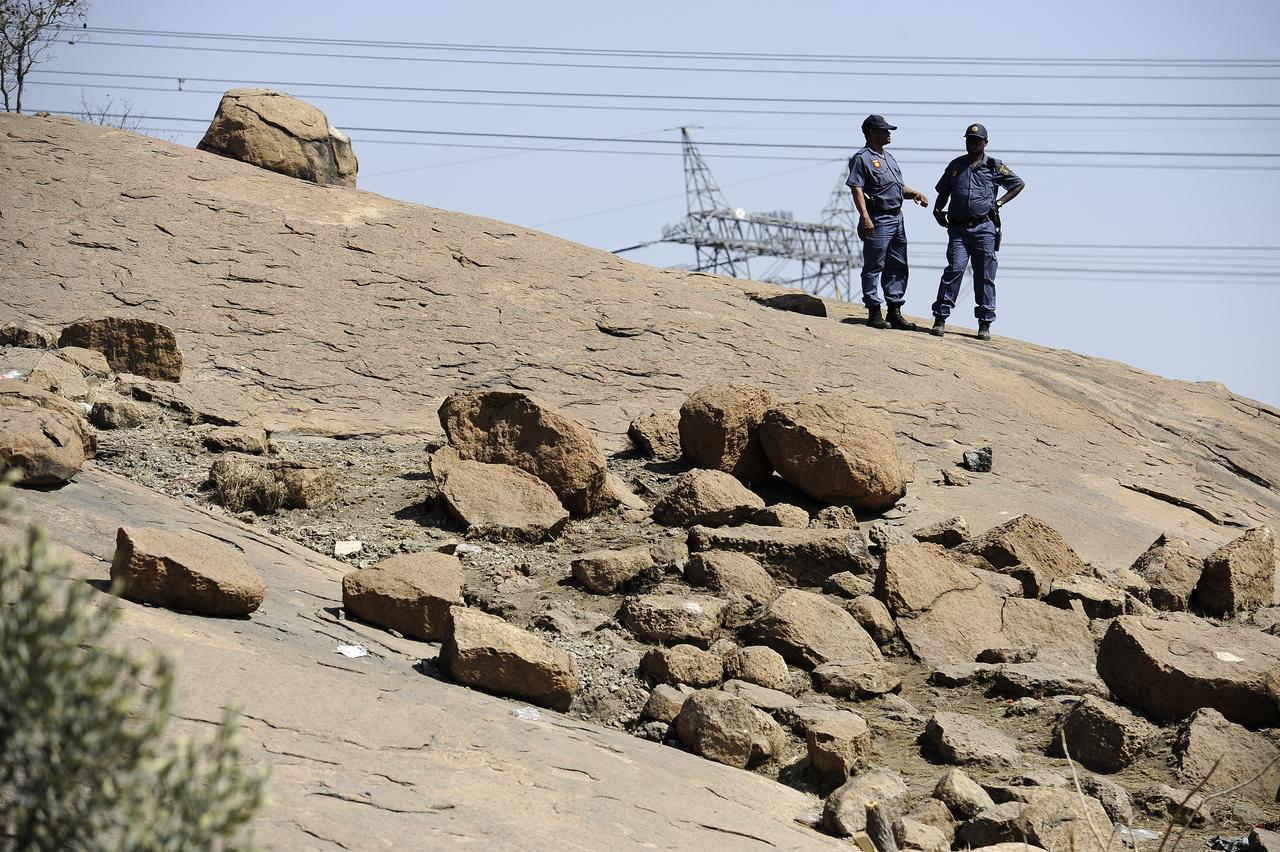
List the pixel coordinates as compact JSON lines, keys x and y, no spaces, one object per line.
{"x":1004,"y":170}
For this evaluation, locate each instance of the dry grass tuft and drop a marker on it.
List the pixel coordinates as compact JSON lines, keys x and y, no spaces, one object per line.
{"x":240,"y":484}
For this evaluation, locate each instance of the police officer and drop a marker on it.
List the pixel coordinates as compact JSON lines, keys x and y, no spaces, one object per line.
{"x":878,"y":191}
{"x":970,"y":184}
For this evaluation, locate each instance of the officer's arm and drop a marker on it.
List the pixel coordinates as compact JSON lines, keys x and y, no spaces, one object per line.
{"x":1007,"y":180}
{"x":915,"y":195}
{"x":860,"y":201}
{"x":940,"y":203}
{"x":1010,"y":195}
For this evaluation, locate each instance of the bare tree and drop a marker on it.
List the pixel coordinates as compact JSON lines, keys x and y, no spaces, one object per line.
{"x":28,"y":28}
{"x":110,"y":113}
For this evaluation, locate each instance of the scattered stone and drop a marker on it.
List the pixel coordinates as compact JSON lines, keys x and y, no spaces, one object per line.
{"x":1165,"y":802}
{"x":185,"y":571}
{"x":963,"y":796}
{"x":1171,"y":568}
{"x":500,"y":501}
{"x":604,"y":571}
{"x":657,"y":435}
{"x":1115,"y":799}
{"x":933,"y":813}
{"x":1039,"y":680}
{"x":953,"y":477}
{"x":91,"y":363}
{"x":1061,"y":636}
{"x":682,"y":664}
{"x":794,"y":557}
{"x":847,"y":584}
{"x":949,"y":533}
{"x":962,"y":674}
{"x":1030,"y":550}
{"x":116,"y":414}
{"x":673,"y":620}
{"x":1059,"y":819}
{"x":838,"y":742}
{"x":670,"y":553}
{"x":1102,"y":736}
{"x":915,"y":835}
{"x":960,"y":739}
{"x":665,"y":702}
{"x":760,"y":697}
{"x":780,"y":515}
{"x":727,"y":729}
{"x":1239,"y":576}
{"x":46,"y":440}
{"x":504,"y":427}
{"x":1023,"y":707}
{"x":835,"y":450}
{"x":1207,"y":737}
{"x":874,"y":618}
{"x":27,"y":334}
{"x":978,"y":461}
{"x":835,"y":518}
{"x":913,"y":577}
{"x":410,"y":593}
{"x":306,"y":485}
{"x":54,"y":375}
{"x":862,"y":679}
{"x":845,"y":810}
{"x":719,"y":430}
{"x":883,"y":536}
{"x":130,"y":345}
{"x":1170,"y":669}
{"x":798,"y":303}
{"x":279,"y":133}
{"x":1098,"y":599}
{"x":1007,"y":655}
{"x":808,"y":630}
{"x":738,"y":577}
{"x":250,"y":440}
{"x":711,"y":498}
{"x":997,"y":827}
{"x":759,"y":665}
{"x":484,"y":652}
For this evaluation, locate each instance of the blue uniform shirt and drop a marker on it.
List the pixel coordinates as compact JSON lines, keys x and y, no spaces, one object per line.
{"x":973,"y":190}
{"x":878,"y":176}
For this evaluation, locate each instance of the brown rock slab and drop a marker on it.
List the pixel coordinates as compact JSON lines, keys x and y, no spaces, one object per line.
{"x":849,"y":585}
{"x":781,"y":515}
{"x":845,"y":811}
{"x":603,"y":571}
{"x":1239,"y":576}
{"x":963,"y":796}
{"x":674,"y":619}
{"x":657,"y":435}
{"x":735,"y":575}
{"x":116,"y":414}
{"x":1029,"y":549}
{"x":834,"y":450}
{"x":91,"y":363}
{"x":504,"y":427}
{"x":719,"y":430}
{"x":932,"y":812}
{"x":1096,"y":598}
{"x":500,"y":501}
{"x":964,"y":740}
{"x":185,"y":571}
{"x":794,"y":557}
{"x":250,"y":440}
{"x":410,"y":592}
{"x":711,"y":498}
{"x":808,"y":629}
{"x":131,"y":345}
{"x":951,"y":532}
{"x":860,"y":679}
{"x":1171,"y":568}
{"x":760,"y":697}
{"x":1102,"y":736}
{"x":278,"y":132}
{"x":874,"y":618}
{"x":484,"y":652}
{"x":682,"y":664}
{"x":664,"y":702}
{"x":838,"y":743}
{"x":1038,"y":680}
{"x":1206,"y":738}
{"x":759,"y":665}
{"x":727,"y":729}
{"x":913,"y":834}
{"x":55,"y":375}
{"x":1170,"y":669}
{"x":912,"y":578}
{"x":1061,"y":637}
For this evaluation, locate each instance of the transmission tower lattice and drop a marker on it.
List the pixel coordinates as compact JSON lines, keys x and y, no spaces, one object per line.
{"x":724,"y":239}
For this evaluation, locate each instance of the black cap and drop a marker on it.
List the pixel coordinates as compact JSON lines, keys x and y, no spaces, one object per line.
{"x":877,"y":122}
{"x":976,"y":130}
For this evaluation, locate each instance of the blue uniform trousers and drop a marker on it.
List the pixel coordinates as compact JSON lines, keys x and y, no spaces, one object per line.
{"x":964,"y":244}
{"x":884,"y":261}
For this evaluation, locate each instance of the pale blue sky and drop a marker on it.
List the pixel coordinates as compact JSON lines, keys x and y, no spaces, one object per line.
{"x":1189,"y":313}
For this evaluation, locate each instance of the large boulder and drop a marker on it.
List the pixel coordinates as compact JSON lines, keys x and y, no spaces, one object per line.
{"x":1030,"y":550}
{"x":682,"y":664}
{"x":963,"y":796}
{"x":1207,"y":738}
{"x":856,"y":678}
{"x":1170,"y":669}
{"x":44,"y":438}
{"x":1102,"y":736}
{"x":838,"y":742}
{"x":131,"y":345}
{"x":58,"y":376}
{"x":1239,"y":576}
{"x":719,"y":430}
{"x":28,"y":334}
{"x":759,"y":665}
{"x":727,"y":729}
{"x":963,"y":740}
{"x":913,"y":577}
{"x":603,"y":571}
{"x":792,"y":556}
{"x":500,"y":501}
{"x":409,"y":592}
{"x":673,"y":619}
{"x":505,"y":427}
{"x":808,"y":630}
{"x":835,"y":450}
{"x":278,"y":132}
{"x":1171,"y":567}
{"x":484,"y":652}
{"x":185,"y":571}
{"x":1052,"y":819}
{"x":735,"y":576}
{"x":845,"y":811}
{"x":711,"y":498}
{"x":657,"y":435}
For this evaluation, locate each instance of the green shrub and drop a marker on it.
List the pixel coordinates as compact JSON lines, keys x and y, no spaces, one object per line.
{"x":86,"y":757}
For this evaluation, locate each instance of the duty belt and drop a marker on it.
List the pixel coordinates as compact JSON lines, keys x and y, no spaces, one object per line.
{"x":876,"y":208}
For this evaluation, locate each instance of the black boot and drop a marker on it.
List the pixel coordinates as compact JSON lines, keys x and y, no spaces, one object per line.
{"x":984,"y":330}
{"x":939,"y":327}
{"x":898,"y":321}
{"x":874,"y":317}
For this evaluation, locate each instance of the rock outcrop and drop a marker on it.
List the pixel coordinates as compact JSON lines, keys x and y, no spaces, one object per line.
{"x":131,"y":345}
{"x":720,"y":430}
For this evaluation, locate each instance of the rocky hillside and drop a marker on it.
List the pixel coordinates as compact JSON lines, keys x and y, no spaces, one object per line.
{"x":408,"y":428}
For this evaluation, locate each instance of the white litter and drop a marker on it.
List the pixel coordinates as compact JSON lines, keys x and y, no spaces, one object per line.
{"x":465,"y":549}
{"x":1228,"y":657}
{"x":527,"y":714}
{"x":352,"y":652}
{"x":695,"y":608}
{"x":346,"y":548}
{"x":1125,"y":832}
{"x":13,"y":374}
{"x":86,"y":406}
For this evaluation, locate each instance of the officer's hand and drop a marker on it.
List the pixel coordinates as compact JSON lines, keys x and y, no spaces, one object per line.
{"x":922,"y":200}
{"x":941,"y":216}
{"x":865,"y":227}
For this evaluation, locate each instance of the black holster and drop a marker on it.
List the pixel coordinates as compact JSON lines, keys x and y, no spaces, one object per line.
{"x":995,"y":219}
